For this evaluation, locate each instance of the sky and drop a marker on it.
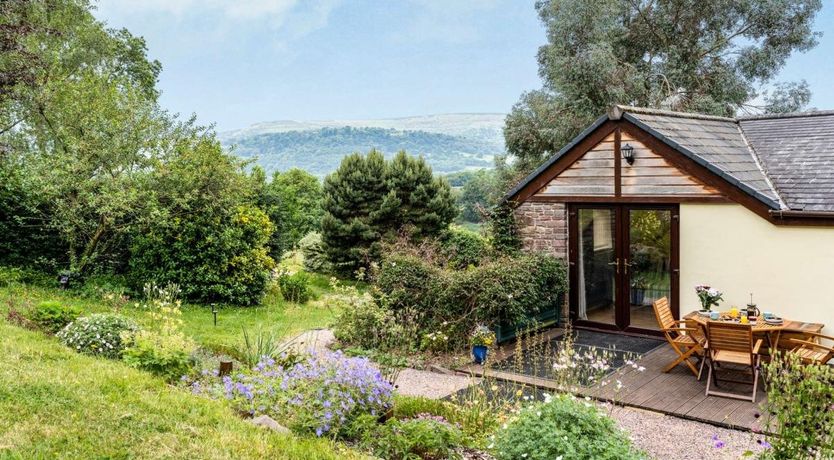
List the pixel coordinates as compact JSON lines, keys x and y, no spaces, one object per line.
{"x":239,"y":62}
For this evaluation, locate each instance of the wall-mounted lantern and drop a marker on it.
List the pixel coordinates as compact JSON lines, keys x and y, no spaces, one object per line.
{"x":627,"y":152}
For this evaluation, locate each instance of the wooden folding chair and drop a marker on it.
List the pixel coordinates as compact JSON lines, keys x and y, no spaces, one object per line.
{"x":812,"y":351}
{"x":731,"y":343}
{"x":686,"y":341}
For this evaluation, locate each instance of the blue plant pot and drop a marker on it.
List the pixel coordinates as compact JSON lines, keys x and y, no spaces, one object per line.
{"x":479,"y":352}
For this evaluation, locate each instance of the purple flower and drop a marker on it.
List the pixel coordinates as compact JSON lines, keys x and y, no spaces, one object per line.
{"x":717,"y":443}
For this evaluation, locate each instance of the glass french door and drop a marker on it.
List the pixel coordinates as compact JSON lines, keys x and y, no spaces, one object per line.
{"x":622,"y":259}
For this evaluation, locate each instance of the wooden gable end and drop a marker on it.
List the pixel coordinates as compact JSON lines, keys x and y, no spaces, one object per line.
{"x":590,"y":175}
{"x":600,"y":174}
{"x":653,"y":175}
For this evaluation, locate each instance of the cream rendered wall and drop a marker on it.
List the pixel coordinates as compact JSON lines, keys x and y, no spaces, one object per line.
{"x":789,"y":270}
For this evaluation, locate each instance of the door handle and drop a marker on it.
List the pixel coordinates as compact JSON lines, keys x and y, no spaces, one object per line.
{"x":617,"y":263}
{"x":626,"y":265}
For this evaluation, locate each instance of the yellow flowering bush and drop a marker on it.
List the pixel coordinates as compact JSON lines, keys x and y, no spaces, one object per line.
{"x":161,"y":348}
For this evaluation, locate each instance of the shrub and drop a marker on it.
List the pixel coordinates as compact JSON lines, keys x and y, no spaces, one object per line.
{"x":463,"y":248}
{"x":472,"y":422}
{"x":52,"y":316}
{"x":408,"y":281}
{"x":505,"y":290}
{"x":214,"y":256}
{"x":295,"y":287}
{"x":503,"y":229}
{"x":799,"y":408}
{"x":161,"y":348}
{"x":99,"y":334}
{"x":563,"y":427}
{"x":362,"y":321}
{"x":425,"y":437}
{"x":166,"y":355}
{"x":312,"y":250}
{"x":321,"y":395}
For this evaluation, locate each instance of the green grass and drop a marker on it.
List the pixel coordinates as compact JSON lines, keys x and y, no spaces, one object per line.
{"x":274,"y":314}
{"x":55,"y":403}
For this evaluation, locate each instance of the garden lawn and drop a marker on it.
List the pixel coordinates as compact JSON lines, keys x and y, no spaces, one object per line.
{"x":274,"y":314}
{"x":55,"y":403}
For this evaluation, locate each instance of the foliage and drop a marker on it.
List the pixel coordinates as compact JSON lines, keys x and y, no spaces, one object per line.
{"x":266,"y":345}
{"x":416,"y":200}
{"x":52,"y":316}
{"x":503,"y":290}
{"x":423,"y":437}
{"x":563,"y":427}
{"x":435,"y":342}
{"x":312,"y":250}
{"x":99,"y":334}
{"x":482,"y":336}
{"x":474,"y":423}
{"x":26,"y":241}
{"x":91,"y":163}
{"x":503,"y":229}
{"x":362,"y":321}
{"x":407,"y":281}
{"x":295,"y":287}
{"x":320,"y":395}
{"x":463,"y":248}
{"x":368,"y":199}
{"x":799,"y":408}
{"x":321,"y":150}
{"x":708,"y":296}
{"x":292,"y":200}
{"x":161,"y":347}
{"x":96,"y":408}
{"x":479,"y":194}
{"x":679,"y":55}
{"x":83,"y":124}
{"x":219,"y":256}
{"x":165,"y":355}
{"x":353,"y":221}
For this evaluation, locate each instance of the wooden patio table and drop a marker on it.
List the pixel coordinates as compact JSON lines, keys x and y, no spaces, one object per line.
{"x":773,"y":332}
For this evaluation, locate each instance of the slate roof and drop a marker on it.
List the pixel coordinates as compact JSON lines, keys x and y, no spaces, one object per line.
{"x":784,"y":160}
{"x":797,"y":152}
{"x":717,"y":142}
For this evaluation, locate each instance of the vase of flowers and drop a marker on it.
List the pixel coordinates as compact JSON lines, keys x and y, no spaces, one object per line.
{"x":708,"y":296}
{"x":482,"y":338}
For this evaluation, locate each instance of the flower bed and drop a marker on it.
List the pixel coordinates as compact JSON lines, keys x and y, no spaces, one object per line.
{"x":321,"y":394}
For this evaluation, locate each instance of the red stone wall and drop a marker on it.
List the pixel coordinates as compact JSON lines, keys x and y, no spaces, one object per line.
{"x":543,"y":227}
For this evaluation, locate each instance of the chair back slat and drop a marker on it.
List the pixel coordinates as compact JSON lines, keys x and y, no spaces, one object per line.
{"x":730,"y":337}
{"x":663,"y":313}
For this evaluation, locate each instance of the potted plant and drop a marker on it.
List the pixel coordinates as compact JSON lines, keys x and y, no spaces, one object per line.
{"x":638,"y":289}
{"x":708,"y":296}
{"x":482,"y":338}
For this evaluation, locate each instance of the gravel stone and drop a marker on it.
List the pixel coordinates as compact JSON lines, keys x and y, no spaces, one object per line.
{"x":413,"y":382}
{"x":314,"y":340}
{"x":671,"y":438}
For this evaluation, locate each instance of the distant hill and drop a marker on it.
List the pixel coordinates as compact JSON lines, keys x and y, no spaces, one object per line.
{"x":450,"y":142}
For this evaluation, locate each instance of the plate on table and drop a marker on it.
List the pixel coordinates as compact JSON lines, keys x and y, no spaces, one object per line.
{"x":774,"y":320}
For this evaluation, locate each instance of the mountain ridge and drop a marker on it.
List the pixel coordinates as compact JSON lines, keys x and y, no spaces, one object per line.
{"x":450,"y":142}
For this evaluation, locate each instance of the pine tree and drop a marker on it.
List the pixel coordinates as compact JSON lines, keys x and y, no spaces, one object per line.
{"x":368,"y":199}
{"x":417,"y":200}
{"x":353,"y":197}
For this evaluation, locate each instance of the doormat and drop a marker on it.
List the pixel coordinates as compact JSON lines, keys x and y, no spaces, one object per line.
{"x":592,"y":348}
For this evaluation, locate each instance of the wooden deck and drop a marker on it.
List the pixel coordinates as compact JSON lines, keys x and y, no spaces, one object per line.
{"x":676,"y":393}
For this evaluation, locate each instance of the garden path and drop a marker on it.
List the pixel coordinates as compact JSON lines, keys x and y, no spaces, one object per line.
{"x":414,"y":382}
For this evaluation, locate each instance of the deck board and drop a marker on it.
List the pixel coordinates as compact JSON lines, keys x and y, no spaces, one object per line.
{"x":676,"y":393}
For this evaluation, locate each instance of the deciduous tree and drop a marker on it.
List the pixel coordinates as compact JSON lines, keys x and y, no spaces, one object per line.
{"x":711,"y":57}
